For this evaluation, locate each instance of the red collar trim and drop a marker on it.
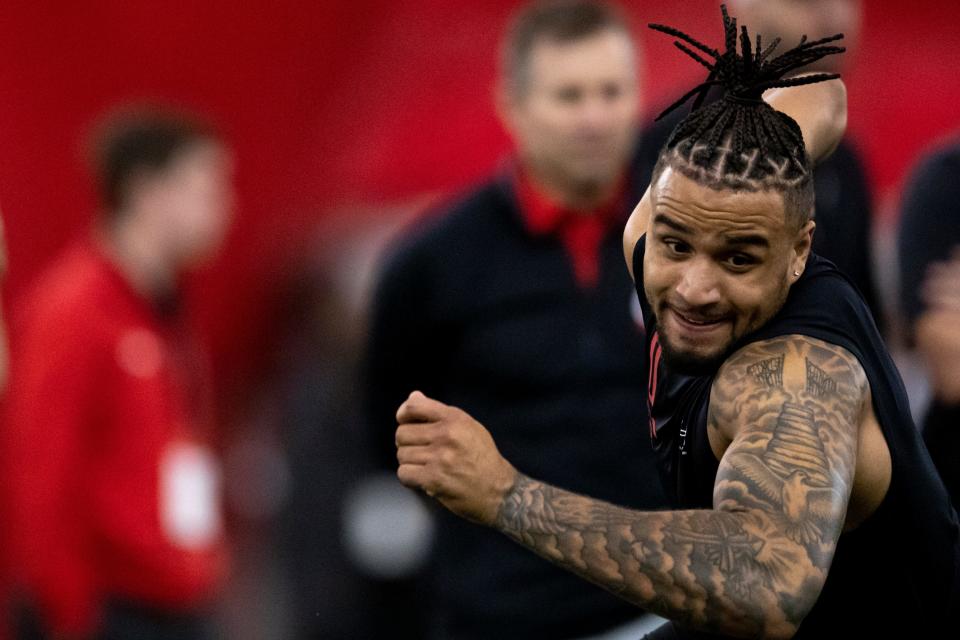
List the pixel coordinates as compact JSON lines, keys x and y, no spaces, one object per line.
{"x":543,"y":215}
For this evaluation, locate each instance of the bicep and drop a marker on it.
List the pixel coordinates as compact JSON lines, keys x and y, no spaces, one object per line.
{"x":791,"y":408}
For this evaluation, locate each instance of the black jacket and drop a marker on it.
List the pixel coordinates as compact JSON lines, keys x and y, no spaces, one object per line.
{"x":479,"y":313}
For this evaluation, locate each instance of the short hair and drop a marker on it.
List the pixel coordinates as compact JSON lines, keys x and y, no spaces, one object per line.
{"x":740,"y":142}
{"x":559,"y":21}
{"x":134,"y":140}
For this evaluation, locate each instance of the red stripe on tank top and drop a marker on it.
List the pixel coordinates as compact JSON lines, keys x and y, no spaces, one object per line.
{"x":653,"y":377}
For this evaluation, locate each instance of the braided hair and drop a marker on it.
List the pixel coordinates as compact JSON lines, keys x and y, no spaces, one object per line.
{"x":740,"y":142}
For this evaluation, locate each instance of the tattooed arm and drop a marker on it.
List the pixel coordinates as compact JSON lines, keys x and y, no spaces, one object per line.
{"x":754,"y":564}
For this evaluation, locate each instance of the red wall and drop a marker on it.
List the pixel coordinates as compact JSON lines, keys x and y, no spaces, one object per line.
{"x":339,"y":102}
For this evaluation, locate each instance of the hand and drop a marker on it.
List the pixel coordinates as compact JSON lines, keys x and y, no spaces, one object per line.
{"x":451,"y":457}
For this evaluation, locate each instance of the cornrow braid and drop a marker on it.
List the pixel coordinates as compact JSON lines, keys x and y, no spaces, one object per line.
{"x":740,"y":141}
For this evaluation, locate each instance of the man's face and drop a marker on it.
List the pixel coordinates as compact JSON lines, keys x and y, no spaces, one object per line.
{"x":575,"y":121}
{"x":718,"y":265}
{"x":791,"y":19}
{"x":197,"y":197}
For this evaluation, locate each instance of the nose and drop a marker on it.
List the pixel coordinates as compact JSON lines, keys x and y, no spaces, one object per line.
{"x":698,"y":285}
{"x":595,"y":114}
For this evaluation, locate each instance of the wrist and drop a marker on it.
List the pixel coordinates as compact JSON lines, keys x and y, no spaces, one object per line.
{"x":504,"y":488}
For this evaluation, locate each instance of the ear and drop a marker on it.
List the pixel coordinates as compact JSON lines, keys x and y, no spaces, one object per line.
{"x":802,"y":244}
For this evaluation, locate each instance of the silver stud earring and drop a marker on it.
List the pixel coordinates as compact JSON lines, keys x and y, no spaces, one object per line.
{"x":796,"y":273}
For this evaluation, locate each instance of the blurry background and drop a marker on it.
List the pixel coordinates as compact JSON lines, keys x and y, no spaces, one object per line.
{"x":346,"y":118}
{"x":349,"y":108}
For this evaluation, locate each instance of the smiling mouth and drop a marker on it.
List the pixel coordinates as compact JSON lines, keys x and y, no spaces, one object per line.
{"x":698,"y":323}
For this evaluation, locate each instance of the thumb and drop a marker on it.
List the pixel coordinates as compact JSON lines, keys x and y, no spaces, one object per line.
{"x":420,"y":408}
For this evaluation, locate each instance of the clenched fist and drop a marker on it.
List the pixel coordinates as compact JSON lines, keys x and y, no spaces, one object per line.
{"x":452,"y":457}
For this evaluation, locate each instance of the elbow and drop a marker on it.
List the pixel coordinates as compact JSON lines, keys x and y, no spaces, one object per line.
{"x":783,"y":621}
{"x":834,"y":118}
{"x":779,"y":612}
{"x":771,"y":617}
{"x":839,"y":107}
{"x":832,"y":121}
{"x":781,"y":635}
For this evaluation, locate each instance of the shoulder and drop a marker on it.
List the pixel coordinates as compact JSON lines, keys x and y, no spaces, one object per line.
{"x":945,"y":158}
{"x":464,"y":217}
{"x":795,"y":368}
{"x":444,"y":239}
{"x":927,"y":226}
{"x":64,"y":322}
{"x":934,"y":176}
{"x":467,"y":214}
{"x":69,"y":291}
{"x":823,"y":304}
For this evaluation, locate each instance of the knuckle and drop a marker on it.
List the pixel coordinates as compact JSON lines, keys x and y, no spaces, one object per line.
{"x":447,"y":458}
{"x":442,"y":434}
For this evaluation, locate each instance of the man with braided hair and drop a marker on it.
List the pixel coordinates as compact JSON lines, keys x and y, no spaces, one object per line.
{"x":804,"y":501}
{"x":843,"y":193}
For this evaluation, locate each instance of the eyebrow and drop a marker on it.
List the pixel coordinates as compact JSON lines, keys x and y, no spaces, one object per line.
{"x":748,"y":239}
{"x":670,"y":222}
{"x":751,"y":239}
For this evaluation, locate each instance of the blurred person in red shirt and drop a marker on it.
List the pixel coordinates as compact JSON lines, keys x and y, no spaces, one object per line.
{"x":114,"y":487}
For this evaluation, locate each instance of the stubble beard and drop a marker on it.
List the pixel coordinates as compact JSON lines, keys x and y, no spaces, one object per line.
{"x":691,"y":364}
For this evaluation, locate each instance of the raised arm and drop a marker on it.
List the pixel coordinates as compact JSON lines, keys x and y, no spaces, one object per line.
{"x":820,"y":110}
{"x":753,"y":565}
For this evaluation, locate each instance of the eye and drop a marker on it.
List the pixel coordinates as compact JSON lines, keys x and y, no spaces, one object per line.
{"x":676,"y":248}
{"x":740,"y":261}
{"x":612,"y":91}
{"x":569,"y":95}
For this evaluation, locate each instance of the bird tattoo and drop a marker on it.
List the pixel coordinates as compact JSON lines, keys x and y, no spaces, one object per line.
{"x":793,"y":473}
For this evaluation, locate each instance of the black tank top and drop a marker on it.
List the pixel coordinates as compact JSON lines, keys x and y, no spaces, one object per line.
{"x":899,"y":571}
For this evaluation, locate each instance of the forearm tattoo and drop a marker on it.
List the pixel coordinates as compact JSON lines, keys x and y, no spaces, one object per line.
{"x":754,"y":564}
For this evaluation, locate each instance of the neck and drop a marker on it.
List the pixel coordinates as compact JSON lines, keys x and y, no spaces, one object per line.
{"x":580,"y":196}
{"x":133,"y":247}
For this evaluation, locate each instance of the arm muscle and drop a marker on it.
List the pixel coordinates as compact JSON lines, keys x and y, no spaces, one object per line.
{"x":756,"y":562}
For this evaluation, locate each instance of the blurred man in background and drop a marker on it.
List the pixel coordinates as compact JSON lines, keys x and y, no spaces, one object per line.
{"x":843,"y":199}
{"x":523,"y":316}
{"x":929,"y":247}
{"x":116,"y":520}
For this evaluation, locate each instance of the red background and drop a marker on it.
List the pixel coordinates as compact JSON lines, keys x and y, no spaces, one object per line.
{"x":363,"y":103}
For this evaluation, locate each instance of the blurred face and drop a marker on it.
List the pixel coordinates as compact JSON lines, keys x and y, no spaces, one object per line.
{"x":195,"y":195}
{"x":791,"y":19}
{"x":575,"y":121}
{"x":718,"y":265}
